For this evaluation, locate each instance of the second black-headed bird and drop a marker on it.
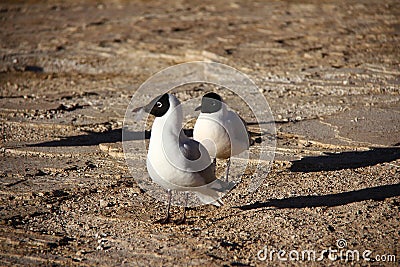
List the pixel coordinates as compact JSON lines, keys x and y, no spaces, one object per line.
{"x":220,"y":130}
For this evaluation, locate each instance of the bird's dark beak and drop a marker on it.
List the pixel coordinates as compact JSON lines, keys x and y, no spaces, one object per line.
{"x":137,"y":109}
{"x":198,"y":108}
{"x":148,"y":107}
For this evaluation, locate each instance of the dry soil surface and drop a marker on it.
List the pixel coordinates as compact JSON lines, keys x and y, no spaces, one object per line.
{"x":329,"y":70}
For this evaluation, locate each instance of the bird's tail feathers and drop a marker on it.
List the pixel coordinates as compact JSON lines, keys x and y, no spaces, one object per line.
{"x":212,"y":194}
{"x":209,"y":196}
{"x":222,"y":186}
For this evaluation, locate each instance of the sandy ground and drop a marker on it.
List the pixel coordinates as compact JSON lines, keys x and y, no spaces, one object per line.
{"x":329,"y":70}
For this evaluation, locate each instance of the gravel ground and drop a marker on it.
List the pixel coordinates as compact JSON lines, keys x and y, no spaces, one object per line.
{"x":330,"y":71}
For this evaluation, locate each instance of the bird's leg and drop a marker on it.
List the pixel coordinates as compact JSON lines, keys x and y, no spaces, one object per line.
{"x":183,"y":219}
{"x":167,"y":217}
{"x":228,"y":165}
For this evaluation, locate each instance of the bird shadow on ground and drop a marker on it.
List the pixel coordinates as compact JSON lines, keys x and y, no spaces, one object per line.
{"x":345,"y":160}
{"x":250,"y":123}
{"x":96,"y":138}
{"x":331,"y":200}
{"x":334,"y":162}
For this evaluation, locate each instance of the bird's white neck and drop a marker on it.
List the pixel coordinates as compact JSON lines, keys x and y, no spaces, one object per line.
{"x":168,"y":125}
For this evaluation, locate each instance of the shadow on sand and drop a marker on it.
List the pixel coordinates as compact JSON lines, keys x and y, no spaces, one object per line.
{"x":334,"y":162}
{"x":95,"y":138}
{"x":332,"y":200}
{"x":345,"y":160}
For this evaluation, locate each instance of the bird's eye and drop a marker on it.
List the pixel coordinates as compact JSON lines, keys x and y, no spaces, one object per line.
{"x":159,"y":104}
{"x":213,"y":103}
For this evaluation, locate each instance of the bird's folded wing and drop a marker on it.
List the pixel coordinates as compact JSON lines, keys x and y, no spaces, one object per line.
{"x":237,"y":127}
{"x":190,"y":149}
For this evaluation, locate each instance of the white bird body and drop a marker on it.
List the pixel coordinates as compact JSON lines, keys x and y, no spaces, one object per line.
{"x":222,"y":132}
{"x":176,"y":162}
{"x":166,"y":173}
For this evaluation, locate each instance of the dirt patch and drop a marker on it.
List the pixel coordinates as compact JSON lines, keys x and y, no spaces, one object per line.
{"x":329,"y":70}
